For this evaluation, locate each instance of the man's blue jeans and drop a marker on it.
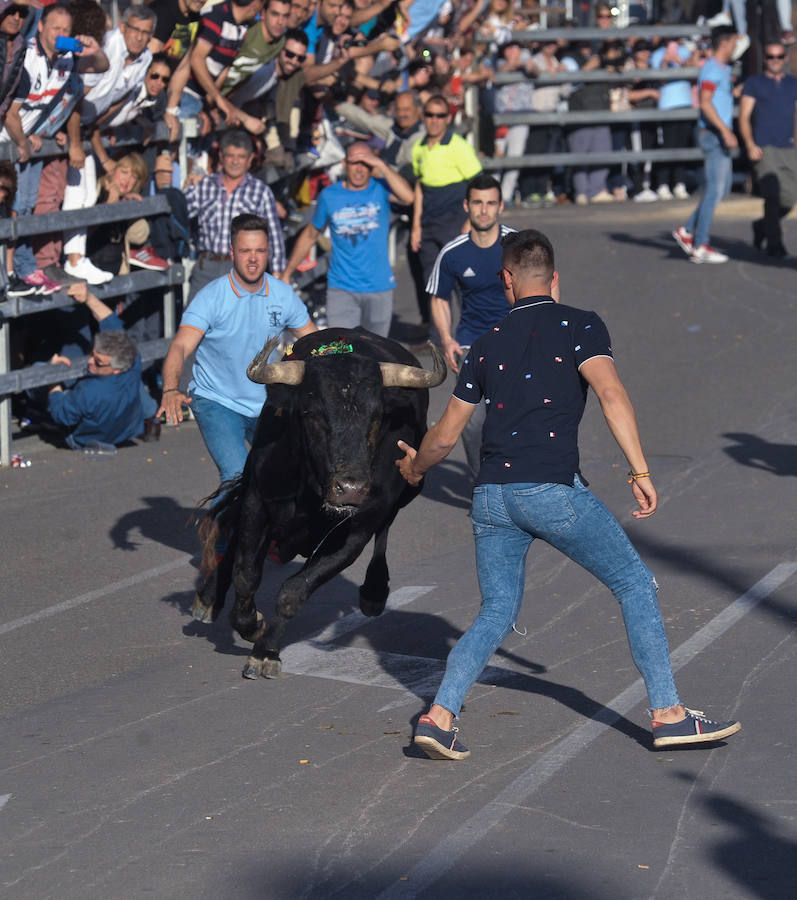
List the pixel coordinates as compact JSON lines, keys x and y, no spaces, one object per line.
{"x":28,"y":178}
{"x":506,"y":519}
{"x":225,"y":433}
{"x":718,"y":171}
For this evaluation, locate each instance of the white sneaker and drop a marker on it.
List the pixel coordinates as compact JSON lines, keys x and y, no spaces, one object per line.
{"x":646,"y":195}
{"x":742,"y":45}
{"x":581,"y":200}
{"x":680,"y":192}
{"x":602,"y":197}
{"x":706,"y":254}
{"x":85,"y":270}
{"x":664,"y":192}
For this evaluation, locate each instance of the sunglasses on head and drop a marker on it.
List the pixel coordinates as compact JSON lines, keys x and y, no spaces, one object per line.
{"x":299,"y":57}
{"x":434,"y":115}
{"x":775,"y":55}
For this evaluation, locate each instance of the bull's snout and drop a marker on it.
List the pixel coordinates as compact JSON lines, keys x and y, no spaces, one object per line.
{"x":348,"y":491}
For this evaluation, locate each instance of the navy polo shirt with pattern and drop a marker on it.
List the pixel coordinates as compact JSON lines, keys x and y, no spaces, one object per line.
{"x":527,"y":370}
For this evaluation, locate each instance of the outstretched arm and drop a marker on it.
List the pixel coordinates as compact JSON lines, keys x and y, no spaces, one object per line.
{"x":437,"y":443}
{"x":602,"y":377}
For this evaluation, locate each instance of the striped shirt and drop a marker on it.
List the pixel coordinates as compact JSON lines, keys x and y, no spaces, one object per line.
{"x":215,"y":208}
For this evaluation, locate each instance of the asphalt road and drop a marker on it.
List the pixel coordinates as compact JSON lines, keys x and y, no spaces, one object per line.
{"x":135,"y":760}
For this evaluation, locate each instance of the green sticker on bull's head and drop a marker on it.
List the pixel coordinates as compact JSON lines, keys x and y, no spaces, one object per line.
{"x":332,"y":348}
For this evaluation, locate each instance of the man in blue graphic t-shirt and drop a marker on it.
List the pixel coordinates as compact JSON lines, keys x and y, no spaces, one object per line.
{"x":360,"y":281}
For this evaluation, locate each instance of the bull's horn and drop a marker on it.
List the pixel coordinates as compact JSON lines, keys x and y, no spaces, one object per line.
{"x":396,"y":375}
{"x":261,"y":371}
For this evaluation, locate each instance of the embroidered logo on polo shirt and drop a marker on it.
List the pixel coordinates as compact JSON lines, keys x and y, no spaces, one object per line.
{"x":469,"y":273}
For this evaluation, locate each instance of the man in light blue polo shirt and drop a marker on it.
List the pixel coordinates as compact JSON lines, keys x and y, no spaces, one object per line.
{"x":716,"y":139}
{"x":227,"y":324}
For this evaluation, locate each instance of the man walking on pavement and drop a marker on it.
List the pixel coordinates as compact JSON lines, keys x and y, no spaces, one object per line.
{"x":716,"y":139}
{"x":766,"y":124}
{"x":360,"y":283}
{"x":533,"y":370}
{"x":470,"y":262}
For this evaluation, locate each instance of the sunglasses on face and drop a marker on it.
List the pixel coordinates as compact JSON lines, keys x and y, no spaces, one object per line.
{"x":153,"y":76}
{"x":434,"y":115}
{"x":775,"y":55}
{"x":299,"y":57}
{"x":15,"y":11}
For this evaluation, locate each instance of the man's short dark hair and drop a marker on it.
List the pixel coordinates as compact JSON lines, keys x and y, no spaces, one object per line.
{"x":721,"y":33}
{"x":482,"y":182}
{"x":236,"y":138}
{"x":528,"y":253}
{"x":296,"y":34}
{"x":56,"y":7}
{"x":119,"y":346}
{"x":436,"y":98}
{"x":247,"y":222}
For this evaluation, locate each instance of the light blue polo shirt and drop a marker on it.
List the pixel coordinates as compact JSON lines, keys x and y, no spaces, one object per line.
{"x":719,"y":76}
{"x":235,"y":324}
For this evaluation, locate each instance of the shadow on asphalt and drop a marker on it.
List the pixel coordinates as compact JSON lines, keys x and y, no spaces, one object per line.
{"x":756,"y":856}
{"x":692,"y":561}
{"x":395,"y":636}
{"x":516,"y":881}
{"x":162,"y":520}
{"x":753,"y":451}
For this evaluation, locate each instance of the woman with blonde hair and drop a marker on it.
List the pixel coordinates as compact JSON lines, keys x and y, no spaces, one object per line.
{"x":125,"y":181}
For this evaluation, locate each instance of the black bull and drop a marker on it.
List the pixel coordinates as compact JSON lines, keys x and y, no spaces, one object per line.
{"x":320,"y":479}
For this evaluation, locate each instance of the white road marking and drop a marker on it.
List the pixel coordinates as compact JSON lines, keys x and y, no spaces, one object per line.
{"x":4,"y":798}
{"x":95,"y":595}
{"x":449,"y":851}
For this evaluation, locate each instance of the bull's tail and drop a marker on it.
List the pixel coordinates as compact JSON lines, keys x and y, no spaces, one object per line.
{"x":219,"y":519}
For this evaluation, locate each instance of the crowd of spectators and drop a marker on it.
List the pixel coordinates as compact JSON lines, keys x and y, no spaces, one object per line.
{"x":271,"y":92}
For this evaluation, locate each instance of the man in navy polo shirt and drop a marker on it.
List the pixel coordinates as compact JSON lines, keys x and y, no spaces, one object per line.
{"x":533,"y":370}
{"x":470,"y":262}
{"x":766,"y":124}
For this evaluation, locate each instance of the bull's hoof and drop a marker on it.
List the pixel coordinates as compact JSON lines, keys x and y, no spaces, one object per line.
{"x":268,"y":668}
{"x":272,"y":668}
{"x":371,"y":605}
{"x":253,"y":668}
{"x":201,"y":612}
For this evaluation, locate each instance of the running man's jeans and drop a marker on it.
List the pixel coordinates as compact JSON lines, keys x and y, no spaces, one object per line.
{"x":717,"y":169}
{"x":506,"y":519}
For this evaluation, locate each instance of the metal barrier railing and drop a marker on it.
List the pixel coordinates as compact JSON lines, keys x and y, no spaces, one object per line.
{"x":15,"y":307}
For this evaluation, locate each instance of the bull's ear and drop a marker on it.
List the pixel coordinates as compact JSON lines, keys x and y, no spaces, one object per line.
{"x":396,"y":375}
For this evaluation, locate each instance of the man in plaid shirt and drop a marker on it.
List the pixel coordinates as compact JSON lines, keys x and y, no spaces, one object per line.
{"x":216,"y":199}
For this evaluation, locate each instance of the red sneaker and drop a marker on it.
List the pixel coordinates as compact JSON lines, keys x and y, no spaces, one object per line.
{"x":146,"y":258}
